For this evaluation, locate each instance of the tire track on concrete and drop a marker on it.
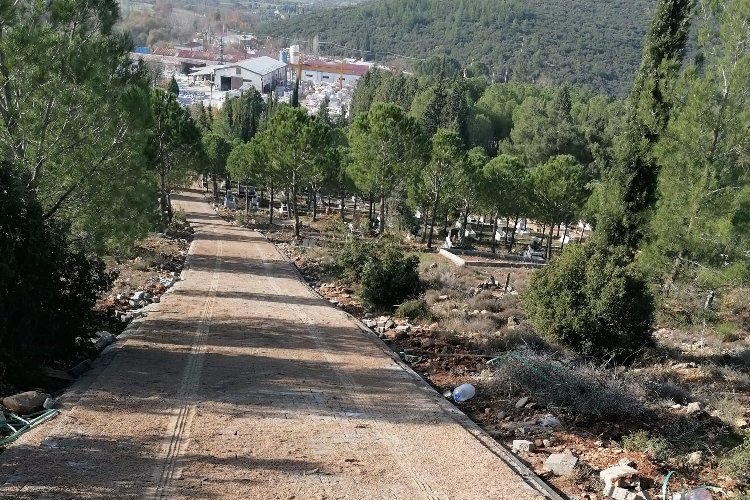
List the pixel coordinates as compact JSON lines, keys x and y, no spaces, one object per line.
{"x":362,"y":404}
{"x":181,"y":420}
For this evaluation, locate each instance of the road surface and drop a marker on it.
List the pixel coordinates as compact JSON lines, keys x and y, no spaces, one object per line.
{"x":243,"y":383}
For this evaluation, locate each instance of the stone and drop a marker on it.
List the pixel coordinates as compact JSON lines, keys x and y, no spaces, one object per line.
{"x":389,"y":324}
{"x":80,"y":368}
{"x":500,"y":415}
{"x":626,"y":462}
{"x":49,"y":403}
{"x":370,"y":323}
{"x":522,"y":402}
{"x":139,"y":295}
{"x":156,"y":299}
{"x":694,"y":407}
{"x":513,"y":321}
{"x":403,"y":328}
{"x":550,"y":421}
{"x":619,"y":493}
{"x":741,"y":423}
{"x":442,"y":297}
{"x":561,"y":464}
{"x":619,"y":475}
{"x":547,"y":443}
{"x":539,"y":443}
{"x":58,"y":374}
{"x":25,"y":402}
{"x":104,"y":340}
{"x":524,"y":445}
{"x":695,"y":458}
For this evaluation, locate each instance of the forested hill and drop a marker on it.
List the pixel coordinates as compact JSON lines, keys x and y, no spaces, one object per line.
{"x":590,"y":42}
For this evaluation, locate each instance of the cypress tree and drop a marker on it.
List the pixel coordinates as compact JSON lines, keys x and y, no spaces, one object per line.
{"x":631,"y":182}
{"x":173,"y":87}
{"x":295,"y":94}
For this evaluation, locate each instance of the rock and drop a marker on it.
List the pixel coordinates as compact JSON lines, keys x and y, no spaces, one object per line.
{"x":448,"y":394}
{"x":156,"y":299}
{"x":741,"y":423}
{"x":389,"y":324}
{"x":524,"y":445}
{"x":139,"y":295}
{"x":513,"y":321}
{"x":58,"y":374}
{"x":695,"y":458}
{"x":370,"y":323}
{"x":549,"y":421}
{"x":125,"y":318}
{"x":619,"y":475}
{"x":694,"y":407}
{"x":50,"y":403}
{"x":627,"y":462}
{"x":442,"y":297}
{"x":80,"y":368}
{"x":539,"y":443}
{"x":104,"y":340}
{"x":619,"y":493}
{"x":522,"y":402}
{"x":547,"y":443}
{"x":561,"y":464}
{"x":403,"y":328}
{"x":25,"y":402}
{"x":500,"y":415}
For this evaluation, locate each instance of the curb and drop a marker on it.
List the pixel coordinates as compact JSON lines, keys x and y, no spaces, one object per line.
{"x":498,"y":449}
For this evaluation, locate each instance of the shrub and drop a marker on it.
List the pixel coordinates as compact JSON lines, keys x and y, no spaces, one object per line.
{"x":655,"y":446}
{"x":47,"y":288}
{"x":390,"y":277}
{"x":413,"y":309}
{"x":349,"y":260}
{"x":737,"y":462}
{"x":592,"y":300}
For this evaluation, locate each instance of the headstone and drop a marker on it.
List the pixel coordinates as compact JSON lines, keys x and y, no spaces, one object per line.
{"x":523,"y":445}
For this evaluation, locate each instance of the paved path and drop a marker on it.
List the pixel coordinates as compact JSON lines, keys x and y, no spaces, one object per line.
{"x":242,"y":383}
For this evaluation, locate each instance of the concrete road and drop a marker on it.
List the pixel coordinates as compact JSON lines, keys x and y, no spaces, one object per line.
{"x":243,"y":383}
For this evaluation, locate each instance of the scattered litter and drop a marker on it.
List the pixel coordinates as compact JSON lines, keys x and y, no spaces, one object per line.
{"x":12,"y":426}
{"x":549,"y":421}
{"x":463,"y":392}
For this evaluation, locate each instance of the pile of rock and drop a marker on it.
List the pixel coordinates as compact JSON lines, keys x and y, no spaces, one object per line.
{"x":132,"y":306}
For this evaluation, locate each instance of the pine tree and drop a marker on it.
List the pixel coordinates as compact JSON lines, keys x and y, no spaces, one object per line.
{"x":295,"y":95}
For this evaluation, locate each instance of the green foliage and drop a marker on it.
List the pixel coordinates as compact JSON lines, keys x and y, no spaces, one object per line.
{"x":349,"y":260}
{"x":239,"y":117}
{"x":413,"y":309}
{"x":655,"y":446}
{"x":736,"y":463}
{"x":72,"y":117}
{"x":173,"y":87}
{"x":47,"y":288}
{"x":591,"y":300}
{"x":524,"y":40}
{"x":632,"y":181}
{"x":390,"y":277}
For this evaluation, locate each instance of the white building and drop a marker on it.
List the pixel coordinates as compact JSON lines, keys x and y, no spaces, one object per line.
{"x":328,"y":71}
{"x":264,"y":73}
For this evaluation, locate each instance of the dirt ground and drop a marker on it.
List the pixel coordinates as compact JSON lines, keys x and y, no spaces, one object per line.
{"x":242,"y":383}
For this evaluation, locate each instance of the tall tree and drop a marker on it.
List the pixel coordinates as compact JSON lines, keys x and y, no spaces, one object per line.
{"x":296,"y":143}
{"x":505,"y":189}
{"x":441,"y":171}
{"x":217,"y":150}
{"x":631,"y":183}
{"x":173,"y":87}
{"x":701,"y":224}
{"x":71,"y":109}
{"x":560,"y":192}
{"x":173,"y":147}
{"x":386,"y":146}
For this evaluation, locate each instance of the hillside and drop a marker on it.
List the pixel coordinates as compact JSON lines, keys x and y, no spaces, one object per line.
{"x":588,"y":42}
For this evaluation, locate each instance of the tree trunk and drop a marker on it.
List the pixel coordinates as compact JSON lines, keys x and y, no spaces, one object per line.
{"x":215,"y":186}
{"x":562,"y":243}
{"x":343,"y":202}
{"x":424,"y":224}
{"x":247,"y":197}
{"x":315,"y":204}
{"x":494,"y":232}
{"x":513,"y":236}
{"x":558,"y":230}
{"x":432,"y":218}
{"x":369,"y":214}
{"x":465,"y":221}
{"x":507,"y":223}
{"x":270,"y":205}
{"x":294,"y":204}
{"x":381,"y":226}
{"x":549,"y":241}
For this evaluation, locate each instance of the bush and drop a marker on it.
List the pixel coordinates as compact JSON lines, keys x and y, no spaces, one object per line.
{"x":413,"y":309}
{"x":47,"y":289}
{"x":390,"y":277}
{"x":737,"y":462}
{"x":591,"y":299}
{"x":350,"y":259}
{"x":655,"y":446}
